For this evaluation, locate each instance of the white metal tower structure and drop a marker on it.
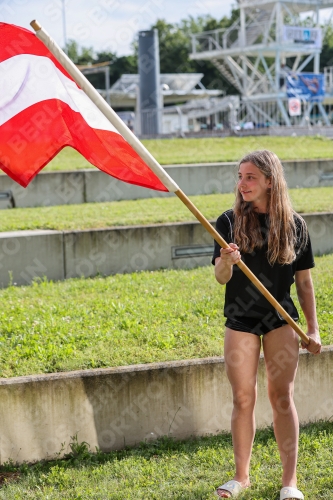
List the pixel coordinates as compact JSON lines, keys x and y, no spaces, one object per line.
{"x":252,"y":54}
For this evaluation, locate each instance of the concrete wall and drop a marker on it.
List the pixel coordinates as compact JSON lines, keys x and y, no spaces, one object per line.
{"x":61,"y":188}
{"x":25,"y":255}
{"x":113,"y":407}
{"x":57,"y":255}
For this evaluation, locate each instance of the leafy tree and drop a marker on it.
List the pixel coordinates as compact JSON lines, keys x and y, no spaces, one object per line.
{"x":79,"y":55}
{"x":121,"y":65}
{"x":326,"y":56}
{"x":118,"y":66}
{"x":175,"y":48}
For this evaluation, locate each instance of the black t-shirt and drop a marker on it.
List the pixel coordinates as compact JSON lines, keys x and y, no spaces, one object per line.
{"x":242,"y":298}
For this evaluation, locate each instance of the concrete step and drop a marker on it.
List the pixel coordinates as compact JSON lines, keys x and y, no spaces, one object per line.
{"x":92,"y":185}
{"x":113,"y":407}
{"x":59,"y":255}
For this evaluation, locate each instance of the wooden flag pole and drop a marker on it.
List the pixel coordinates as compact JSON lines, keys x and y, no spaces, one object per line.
{"x":102,"y":105}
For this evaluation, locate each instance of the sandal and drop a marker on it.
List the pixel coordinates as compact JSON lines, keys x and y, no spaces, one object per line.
{"x":233,"y":487}
{"x":290,"y":493}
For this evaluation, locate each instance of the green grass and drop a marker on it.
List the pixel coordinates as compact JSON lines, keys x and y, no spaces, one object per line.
{"x":185,"y":470}
{"x":124,"y":319}
{"x":146,"y":211}
{"x":174,"y":151}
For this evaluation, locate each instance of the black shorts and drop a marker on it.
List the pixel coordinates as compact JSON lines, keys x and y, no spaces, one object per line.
{"x":254,"y":325}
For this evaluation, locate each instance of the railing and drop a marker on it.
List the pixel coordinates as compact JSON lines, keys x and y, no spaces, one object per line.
{"x":312,"y":4}
{"x":219,"y":39}
{"x":240,"y":118}
{"x":268,"y":115}
{"x":207,"y":41}
{"x":227,"y":38}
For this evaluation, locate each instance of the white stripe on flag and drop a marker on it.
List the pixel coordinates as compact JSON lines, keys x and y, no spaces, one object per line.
{"x":28,"y":79}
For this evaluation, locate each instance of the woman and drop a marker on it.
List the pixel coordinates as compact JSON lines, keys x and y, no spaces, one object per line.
{"x":272,"y":239}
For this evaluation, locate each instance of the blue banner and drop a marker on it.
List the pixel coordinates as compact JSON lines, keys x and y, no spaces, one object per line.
{"x":306,"y":86}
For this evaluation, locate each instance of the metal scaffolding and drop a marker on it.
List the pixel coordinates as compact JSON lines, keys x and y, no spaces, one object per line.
{"x":253,"y":53}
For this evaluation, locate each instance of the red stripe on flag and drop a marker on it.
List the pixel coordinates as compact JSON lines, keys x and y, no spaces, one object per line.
{"x":30,"y":139}
{"x":16,"y":40}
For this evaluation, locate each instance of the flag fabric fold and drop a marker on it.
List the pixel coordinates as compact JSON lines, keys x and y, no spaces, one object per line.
{"x":42,"y":110}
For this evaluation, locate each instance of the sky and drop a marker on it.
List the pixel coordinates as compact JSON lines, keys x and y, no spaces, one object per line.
{"x":109,"y":25}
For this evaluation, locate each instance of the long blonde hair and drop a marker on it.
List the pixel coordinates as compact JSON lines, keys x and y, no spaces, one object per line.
{"x":283,"y":220}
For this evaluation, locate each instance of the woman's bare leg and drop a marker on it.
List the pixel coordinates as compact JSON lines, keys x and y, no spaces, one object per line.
{"x":241,"y":354}
{"x":281,"y":350}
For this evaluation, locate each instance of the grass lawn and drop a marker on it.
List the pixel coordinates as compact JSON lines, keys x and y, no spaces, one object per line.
{"x":174,"y":151}
{"x":146,"y":211}
{"x":166,"y":469}
{"x":124,"y":319}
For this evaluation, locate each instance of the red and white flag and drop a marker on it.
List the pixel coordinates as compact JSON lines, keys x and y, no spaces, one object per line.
{"x":42,"y":110}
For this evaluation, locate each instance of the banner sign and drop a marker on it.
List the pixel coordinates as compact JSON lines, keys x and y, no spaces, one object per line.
{"x":306,"y":86}
{"x":302,"y":35}
{"x":294,"y":106}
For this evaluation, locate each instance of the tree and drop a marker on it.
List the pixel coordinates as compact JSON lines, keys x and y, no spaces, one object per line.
{"x":326,"y":56}
{"x":118,"y":66}
{"x":79,"y":55}
{"x":175,"y":48}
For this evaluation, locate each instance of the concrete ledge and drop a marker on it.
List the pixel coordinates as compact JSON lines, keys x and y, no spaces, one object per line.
{"x":92,"y":185}
{"x":25,"y":255}
{"x":57,"y":255}
{"x":113,"y":407}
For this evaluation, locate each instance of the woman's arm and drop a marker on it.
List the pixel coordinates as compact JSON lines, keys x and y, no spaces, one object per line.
{"x":306,"y":297}
{"x":224,"y":264}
